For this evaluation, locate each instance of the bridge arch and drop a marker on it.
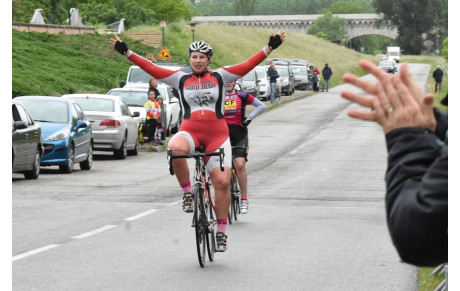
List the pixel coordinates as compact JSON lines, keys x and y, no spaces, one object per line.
{"x":357,"y":24}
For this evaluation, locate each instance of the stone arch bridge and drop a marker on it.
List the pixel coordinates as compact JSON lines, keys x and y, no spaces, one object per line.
{"x":357,"y":24}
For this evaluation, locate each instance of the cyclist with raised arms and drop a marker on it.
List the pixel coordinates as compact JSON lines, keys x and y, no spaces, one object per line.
{"x":201,"y":95}
{"x":237,"y":121}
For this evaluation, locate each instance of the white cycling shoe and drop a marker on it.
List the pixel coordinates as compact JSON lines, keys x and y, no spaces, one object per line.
{"x":244,"y":207}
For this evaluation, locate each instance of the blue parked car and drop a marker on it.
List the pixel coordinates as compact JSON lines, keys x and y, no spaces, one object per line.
{"x":67,"y":134}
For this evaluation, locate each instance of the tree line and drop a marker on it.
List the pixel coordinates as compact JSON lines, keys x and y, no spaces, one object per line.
{"x":415,"y":20}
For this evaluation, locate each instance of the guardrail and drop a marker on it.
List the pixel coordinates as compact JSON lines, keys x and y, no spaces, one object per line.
{"x":52,"y":28}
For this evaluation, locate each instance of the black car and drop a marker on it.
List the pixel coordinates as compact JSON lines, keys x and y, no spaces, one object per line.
{"x":27,"y":141}
{"x":388,"y":65}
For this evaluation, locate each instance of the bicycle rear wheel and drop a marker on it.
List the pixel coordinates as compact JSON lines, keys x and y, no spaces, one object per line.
{"x":236,"y":196}
{"x":200,"y":225}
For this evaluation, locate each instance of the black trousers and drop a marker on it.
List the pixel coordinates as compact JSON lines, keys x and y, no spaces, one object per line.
{"x":151,"y":127}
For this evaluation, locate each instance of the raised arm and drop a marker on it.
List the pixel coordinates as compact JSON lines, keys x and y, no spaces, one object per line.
{"x":241,"y":69}
{"x":167,"y":76}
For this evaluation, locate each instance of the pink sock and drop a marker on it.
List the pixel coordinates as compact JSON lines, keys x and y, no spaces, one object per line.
{"x":222,"y":225}
{"x":186,"y":187}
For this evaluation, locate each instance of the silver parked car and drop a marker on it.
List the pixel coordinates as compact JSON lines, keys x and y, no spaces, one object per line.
{"x":115,"y":128}
{"x":301,"y":77}
{"x":250,"y":83}
{"x":264,"y":82}
{"x":136,"y":97}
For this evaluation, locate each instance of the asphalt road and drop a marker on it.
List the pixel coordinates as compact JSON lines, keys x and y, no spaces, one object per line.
{"x":316,"y":218}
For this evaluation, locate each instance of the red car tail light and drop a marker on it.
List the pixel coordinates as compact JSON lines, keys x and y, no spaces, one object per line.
{"x":110,"y":122}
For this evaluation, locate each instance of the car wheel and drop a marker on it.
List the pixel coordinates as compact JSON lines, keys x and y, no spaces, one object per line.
{"x":88,"y":163}
{"x":175,"y":129}
{"x":121,"y":153}
{"x":33,"y":174}
{"x":67,"y":169}
{"x":134,"y":151}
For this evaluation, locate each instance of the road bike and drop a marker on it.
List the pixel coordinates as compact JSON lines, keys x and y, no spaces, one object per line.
{"x":204,"y":219}
{"x":235,"y":191}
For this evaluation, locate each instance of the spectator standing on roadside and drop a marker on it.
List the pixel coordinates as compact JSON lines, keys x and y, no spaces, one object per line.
{"x":310,"y":77}
{"x":417,"y":172}
{"x":315,"y":79}
{"x":318,"y":79}
{"x":161,"y":122}
{"x":153,"y":84}
{"x":152,"y":108}
{"x":437,"y":76}
{"x":273,"y":75}
{"x":327,"y":73}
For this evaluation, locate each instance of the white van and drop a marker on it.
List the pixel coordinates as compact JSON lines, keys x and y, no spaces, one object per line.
{"x":138,"y":77}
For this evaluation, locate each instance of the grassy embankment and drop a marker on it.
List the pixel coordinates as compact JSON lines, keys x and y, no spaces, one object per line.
{"x":45,"y":64}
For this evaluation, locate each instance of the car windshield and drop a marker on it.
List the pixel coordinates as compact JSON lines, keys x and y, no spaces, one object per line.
{"x":137,"y":98}
{"x":385,"y":63}
{"x":260,"y":73}
{"x":47,"y":111}
{"x":96,"y":104}
{"x":282,"y":71}
{"x":249,"y":76}
{"x":299,"y":71}
{"x":139,"y":76}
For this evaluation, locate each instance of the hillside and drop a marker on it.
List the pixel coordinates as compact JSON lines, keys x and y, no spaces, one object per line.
{"x":45,"y":64}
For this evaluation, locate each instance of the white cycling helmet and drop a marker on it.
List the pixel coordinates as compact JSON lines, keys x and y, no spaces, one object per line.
{"x":202,"y":47}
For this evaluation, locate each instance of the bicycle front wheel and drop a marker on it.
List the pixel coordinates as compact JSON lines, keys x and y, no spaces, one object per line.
{"x":211,"y":227}
{"x":200,"y":225}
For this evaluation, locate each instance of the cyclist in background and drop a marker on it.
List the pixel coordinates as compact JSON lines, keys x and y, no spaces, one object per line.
{"x":237,"y":121}
{"x":202,"y":93}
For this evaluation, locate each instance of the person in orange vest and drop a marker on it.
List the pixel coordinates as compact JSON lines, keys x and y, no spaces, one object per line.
{"x":153,"y":112}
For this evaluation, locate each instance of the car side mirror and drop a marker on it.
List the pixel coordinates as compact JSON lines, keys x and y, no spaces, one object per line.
{"x":19,"y":125}
{"x":122,"y":83}
{"x":81,"y":124}
{"x":136,"y":114}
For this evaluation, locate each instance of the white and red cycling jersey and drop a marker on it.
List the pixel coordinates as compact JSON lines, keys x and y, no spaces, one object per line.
{"x":202,"y":96}
{"x":202,"y":99}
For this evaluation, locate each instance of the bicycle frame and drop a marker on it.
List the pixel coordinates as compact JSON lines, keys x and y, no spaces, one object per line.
{"x":204,"y":219}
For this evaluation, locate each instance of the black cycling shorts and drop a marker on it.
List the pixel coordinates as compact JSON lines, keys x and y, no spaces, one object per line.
{"x":239,"y":137}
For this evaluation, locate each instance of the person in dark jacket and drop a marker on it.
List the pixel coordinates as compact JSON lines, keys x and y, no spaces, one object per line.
{"x":272,"y":75}
{"x":437,"y":76}
{"x":417,"y":173}
{"x":327,"y":73}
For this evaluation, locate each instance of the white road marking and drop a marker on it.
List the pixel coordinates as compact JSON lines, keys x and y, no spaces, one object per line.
{"x":90,"y":233}
{"x":33,"y":252}
{"x":142,"y":214}
{"x":174,"y":203}
{"x":93,"y":232}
